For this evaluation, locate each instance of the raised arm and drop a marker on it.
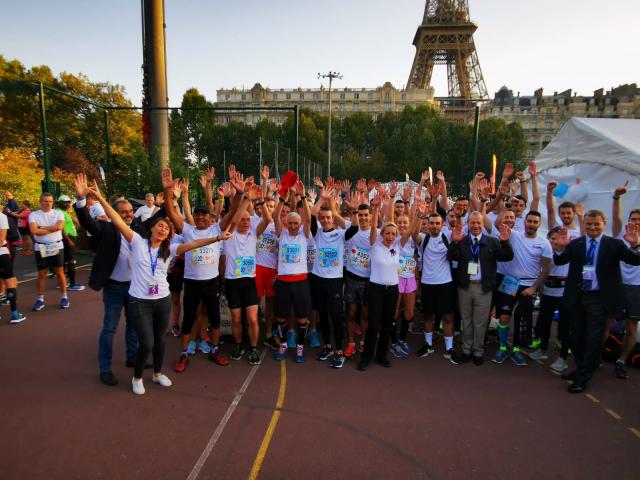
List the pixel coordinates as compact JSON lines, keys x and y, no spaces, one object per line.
{"x":535,"y":190}
{"x":551,"y":205}
{"x":442,"y":184}
{"x":524,"y":191}
{"x":186,"y":205}
{"x":306,"y":210}
{"x":168,"y":185}
{"x":616,"y":216}
{"x":373,"y":230}
{"x":185,"y":247}
{"x":116,"y":220}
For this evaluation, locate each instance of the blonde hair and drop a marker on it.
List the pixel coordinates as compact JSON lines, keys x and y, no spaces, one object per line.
{"x":388,"y":224}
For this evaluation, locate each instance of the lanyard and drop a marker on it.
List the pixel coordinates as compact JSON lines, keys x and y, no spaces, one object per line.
{"x":474,"y":250}
{"x":152,"y":261}
{"x":591,"y":252}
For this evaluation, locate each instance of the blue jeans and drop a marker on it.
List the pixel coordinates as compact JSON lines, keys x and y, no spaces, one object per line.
{"x":115,"y":297}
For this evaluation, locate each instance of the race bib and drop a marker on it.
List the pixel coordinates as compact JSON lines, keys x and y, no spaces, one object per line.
{"x":328,"y":257}
{"x":291,"y":253}
{"x":245,"y":266}
{"x":407,"y":266}
{"x":359,"y":258}
{"x":50,"y":249}
{"x":267,"y":244}
{"x":509,"y":285}
{"x":153,"y":289}
{"x":203,"y":256}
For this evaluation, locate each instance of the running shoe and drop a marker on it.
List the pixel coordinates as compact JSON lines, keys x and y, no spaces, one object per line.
{"x":162,"y":380}
{"x":74,"y":287}
{"x":216,"y":357}
{"x":299,"y":354}
{"x":451,"y":356}
{"x":175,"y":330}
{"x":137,"y":386}
{"x":254,"y":358}
{"x":338,"y":360}
{"x":238,"y":352}
{"x":620,"y":371}
{"x":403,"y":345}
{"x":191,"y":349}
{"x":560,"y":365}
{"x":291,"y":339}
{"x":425,"y":350}
{"x":518,"y":359}
{"x":397,"y":351}
{"x":39,"y":305}
{"x":64,"y":303}
{"x":501,"y":356}
{"x":4,"y":301}
{"x":538,"y":355}
{"x":535,"y":344}
{"x":272,"y":342}
{"x":17,"y":317}
{"x":314,"y":339}
{"x":350,"y":351}
{"x":204,"y":346}
{"x":325,"y":353}
{"x":282,"y":352}
{"x":183,"y":361}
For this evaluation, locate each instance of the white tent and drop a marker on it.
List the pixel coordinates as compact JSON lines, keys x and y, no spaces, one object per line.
{"x":589,"y":158}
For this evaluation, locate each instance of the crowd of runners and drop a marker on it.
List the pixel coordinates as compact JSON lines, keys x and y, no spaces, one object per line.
{"x":340,"y":267}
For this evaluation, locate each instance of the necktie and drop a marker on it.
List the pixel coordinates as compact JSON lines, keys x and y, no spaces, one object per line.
{"x":591,"y":252}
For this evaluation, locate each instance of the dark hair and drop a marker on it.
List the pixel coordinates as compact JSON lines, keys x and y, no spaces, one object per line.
{"x":324,"y":208}
{"x":363,"y":206}
{"x":520,"y":197}
{"x":553,"y":231}
{"x":570,"y":205}
{"x":533,"y":213}
{"x":46,"y":194}
{"x":635,"y":210}
{"x":27,"y":203}
{"x":435,"y":214}
{"x":163,"y":251}
{"x":596,"y":213}
{"x":117,"y":203}
{"x":399,"y":201}
{"x":462,"y":198}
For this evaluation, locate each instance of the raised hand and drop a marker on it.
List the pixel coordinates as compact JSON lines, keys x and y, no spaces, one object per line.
{"x":632,"y":234}
{"x":232,"y":171}
{"x":184,"y":186}
{"x":299,"y":187}
{"x":361,"y":185}
{"x":520,"y":176}
{"x":503,"y":189}
{"x":424,"y":177}
{"x":249,"y":182}
{"x":95,"y":190}
{"x":371,"y":184}
{"x":621,"y":190}
{"x":456,"y":233}
{"x":579,"y":210}
{"x":80,"y":184}
{"x":203,"y":181}
{"x":563,"y":238}
{"x":237,"y":181}
{"x":508,"y":170}
{"x":226,"y":235}
{"x":551,"y":186}
{"x":167,"y":178}
{"x":265,"y":173}
{"x":514,"y":187}
{"x":210,"y":174}
{"x":326,"y":193}
{"x":273,"y":186}
{"x":533,"y":169}
{"x":317,"y":182}
{"x":177,"y":191}
{"x":346,"y":186}
{"x":377,"y":200}
{"x":440,"y":176}
{"x":406,"y":193}
{"x":505,"y":233}
{"x":313,"y":195}
{"x":393,"y":189}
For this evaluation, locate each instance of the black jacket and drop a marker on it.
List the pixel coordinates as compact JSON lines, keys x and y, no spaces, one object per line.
{"x":108,"y":240}
{"x":611,"y":252}
{"x":491,"y":251}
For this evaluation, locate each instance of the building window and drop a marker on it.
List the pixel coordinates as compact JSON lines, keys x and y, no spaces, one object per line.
{"x":244,"y":96}
{"x":387,"y":95}
{"x":370,"y":107}
{"x":403,"y":96}
{"x":227,"y":97}
{"x":387,"y":105}
{"x":302,"y":96}
{"x":288,"y":96}
{"x":341,"y":107}
{"x":356,"y":107}
{"x":370,"y":95}
{"x":342,"y":96}
{"x":316,"y":96}
{"x":275,"y":96}
{"x":356,"y":96}
{"x":314,"y":107}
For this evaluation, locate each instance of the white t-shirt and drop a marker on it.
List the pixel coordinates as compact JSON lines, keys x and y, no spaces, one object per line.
{"x":329,"y":253}
{"x":47,"y":219}
{"x":267,"y":247}
{"x":201,"y":263}
{"x":4,"y":225}
{"x":240,"y":253}
{"x":359,"y":259}
{"x":122,"y":269}
{"x":527,"y":257}
{"x":630,"y":273}
{"x":96,"y":210}
{"x":143,"y":277}
{"x":292,"y":256}
{"x":436,"y":269}
{"x":519,"y":224}
{"x":407,"y":263}
{"x":385,"y":263}
{"x":559,"y":270}
{"x":144,"y":212}
{"x":312,"y":250}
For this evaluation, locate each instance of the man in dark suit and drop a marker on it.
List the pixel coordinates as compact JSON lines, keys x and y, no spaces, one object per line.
{"x":593,"y":289}
{"x":110,"y":273}
{"x":476,"y":255}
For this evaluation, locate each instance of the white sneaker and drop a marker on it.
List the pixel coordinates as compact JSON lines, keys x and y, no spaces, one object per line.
{"x":538,"y":355}
{"x":137,"y":386}
{"x":560,"y":365}
{"x":162,"y":380}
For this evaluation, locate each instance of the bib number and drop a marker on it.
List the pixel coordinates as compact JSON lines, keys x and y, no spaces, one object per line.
{"x":407,"y":267}
{"x":49,"y":249}
{"x":291,"y":253}
{"x":359,"y":258}
{"x":245,"y":266}
{"x":509,"y":285}
{"x":328,"y":257}
{"x":153,"y":289}
{"x":202,"y":256}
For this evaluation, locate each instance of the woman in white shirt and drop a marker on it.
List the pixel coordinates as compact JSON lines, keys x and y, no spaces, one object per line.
{"x":150,"y":304}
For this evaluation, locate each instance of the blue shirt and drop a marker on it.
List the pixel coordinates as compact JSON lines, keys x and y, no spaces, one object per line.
{"x":594,"y":284}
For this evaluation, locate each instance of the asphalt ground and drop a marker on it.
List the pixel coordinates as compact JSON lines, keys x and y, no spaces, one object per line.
{"x":422,"y":418}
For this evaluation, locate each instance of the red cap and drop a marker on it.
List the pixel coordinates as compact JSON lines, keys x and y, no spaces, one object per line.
{"x":289,"y":179}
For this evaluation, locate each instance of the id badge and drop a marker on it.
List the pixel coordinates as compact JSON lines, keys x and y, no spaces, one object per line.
{"x":153,"y":289}
{"x":472,"y":268}
{"x":588,"y":276}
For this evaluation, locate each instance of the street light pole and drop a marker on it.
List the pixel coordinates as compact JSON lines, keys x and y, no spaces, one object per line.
{"x":331,"y":75}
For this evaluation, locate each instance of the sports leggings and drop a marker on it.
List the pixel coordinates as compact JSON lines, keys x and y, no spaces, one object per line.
{"x":196,"y":291}
{"x":150,"y":319}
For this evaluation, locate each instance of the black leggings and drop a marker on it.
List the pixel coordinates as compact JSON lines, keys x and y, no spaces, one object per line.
{"x":150,"y":319}
{"x":523,"y":320}
{"x":329,"y":295}
{"x":548,"y":305}
{"x":382,"y":307}
{"x":196,"y":291}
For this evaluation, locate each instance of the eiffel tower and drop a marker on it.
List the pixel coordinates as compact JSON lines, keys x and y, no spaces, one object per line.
{"x":445,"y":37}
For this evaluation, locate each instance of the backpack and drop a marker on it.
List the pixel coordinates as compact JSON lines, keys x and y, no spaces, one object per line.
{"x":427,"y":237}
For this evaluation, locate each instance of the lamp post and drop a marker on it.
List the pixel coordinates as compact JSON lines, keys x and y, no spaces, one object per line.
{"x":331,"y":75}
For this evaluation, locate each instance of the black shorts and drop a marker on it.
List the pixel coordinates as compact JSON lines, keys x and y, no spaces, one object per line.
{"x":356,"y":291}
{"x":292,"y":293}
{"x":322,"y":288}
{"x":439,"y":299}
{"x":506,"y":303}
{"x":24,"y":231}
{"x":6,"y":267}
{"x":175,"y":276}
{"x":241,"y":292}
{"x":55,"y":261}
{"x":631,"y":301}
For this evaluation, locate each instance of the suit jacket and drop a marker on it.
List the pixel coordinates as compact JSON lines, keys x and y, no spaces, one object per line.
{"x":611,"y":252}
{"x":492,"y":250}
{"x":108,"y":240}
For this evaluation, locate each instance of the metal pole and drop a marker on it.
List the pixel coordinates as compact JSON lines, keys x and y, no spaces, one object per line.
{"x":260,"y":155}
{"x":107,"y":150}
{"x":297,"y":122}
{"x":45,"y":147}
{"x":224,"y":164}
{"x":476,"y":128}
{"x":159,"y":118}
{"x":329,"y":148}
{"x":277,"y":170}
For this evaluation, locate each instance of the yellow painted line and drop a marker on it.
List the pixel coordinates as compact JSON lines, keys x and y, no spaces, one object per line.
{"x":557,"y":374}
{"x":635,"y":431}
{"x":613,"y":414}
{"x":592,"y":398}
{"x":264,"y":446}
{"x":35,"y":278}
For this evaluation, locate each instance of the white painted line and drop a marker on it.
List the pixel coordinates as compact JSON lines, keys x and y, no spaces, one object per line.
{"x":195,"y":471}
{"x":36,"y":275}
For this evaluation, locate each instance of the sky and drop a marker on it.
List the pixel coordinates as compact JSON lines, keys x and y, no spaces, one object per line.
{"x":212,"y":44}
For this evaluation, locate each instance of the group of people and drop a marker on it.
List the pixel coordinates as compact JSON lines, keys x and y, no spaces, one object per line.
{"x":348,"y":261}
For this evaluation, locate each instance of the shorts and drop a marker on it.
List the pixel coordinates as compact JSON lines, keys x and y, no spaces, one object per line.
{"x":292,"y":293}
{"x":439,"y":299}
{"x":356,"y":291}
{"x":175,"y":276}
{"x":264,"y":281}
{"x":631,"y":301}
{"x":407,"y":285}
{"x":24,"y":231}
{"x":55,"y":261}
{"x":241,"y":292}
{"x":6,"y":267}
{"x":506,"y":303}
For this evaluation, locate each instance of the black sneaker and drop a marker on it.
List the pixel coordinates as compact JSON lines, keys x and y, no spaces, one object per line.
{"x":620,"y":371}
{"x":384,"y":361}
{"x":254,"y":358}
{"x":451,"y":356}
{"x":338,"y":360}
{"x":108,"y":378}
{"x":425,"y":350}
{"x":238,"y":352}
{"x":325,"y":353}
{"x":363,"y":364}
{"x":272,"y":342}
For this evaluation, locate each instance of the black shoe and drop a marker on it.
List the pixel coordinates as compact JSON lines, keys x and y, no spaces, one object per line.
{"x":569,"y":376}
{"x":132,"y":364}
{"x":425,"y":350}
{"x":477,"y":361}
{"x":383,"y":361}
{"x":363,"y":364}
{"x":620,"y":371}
{"x":108,"y":378}
{"x":464,"y":358}
{"x":576,"y":388}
